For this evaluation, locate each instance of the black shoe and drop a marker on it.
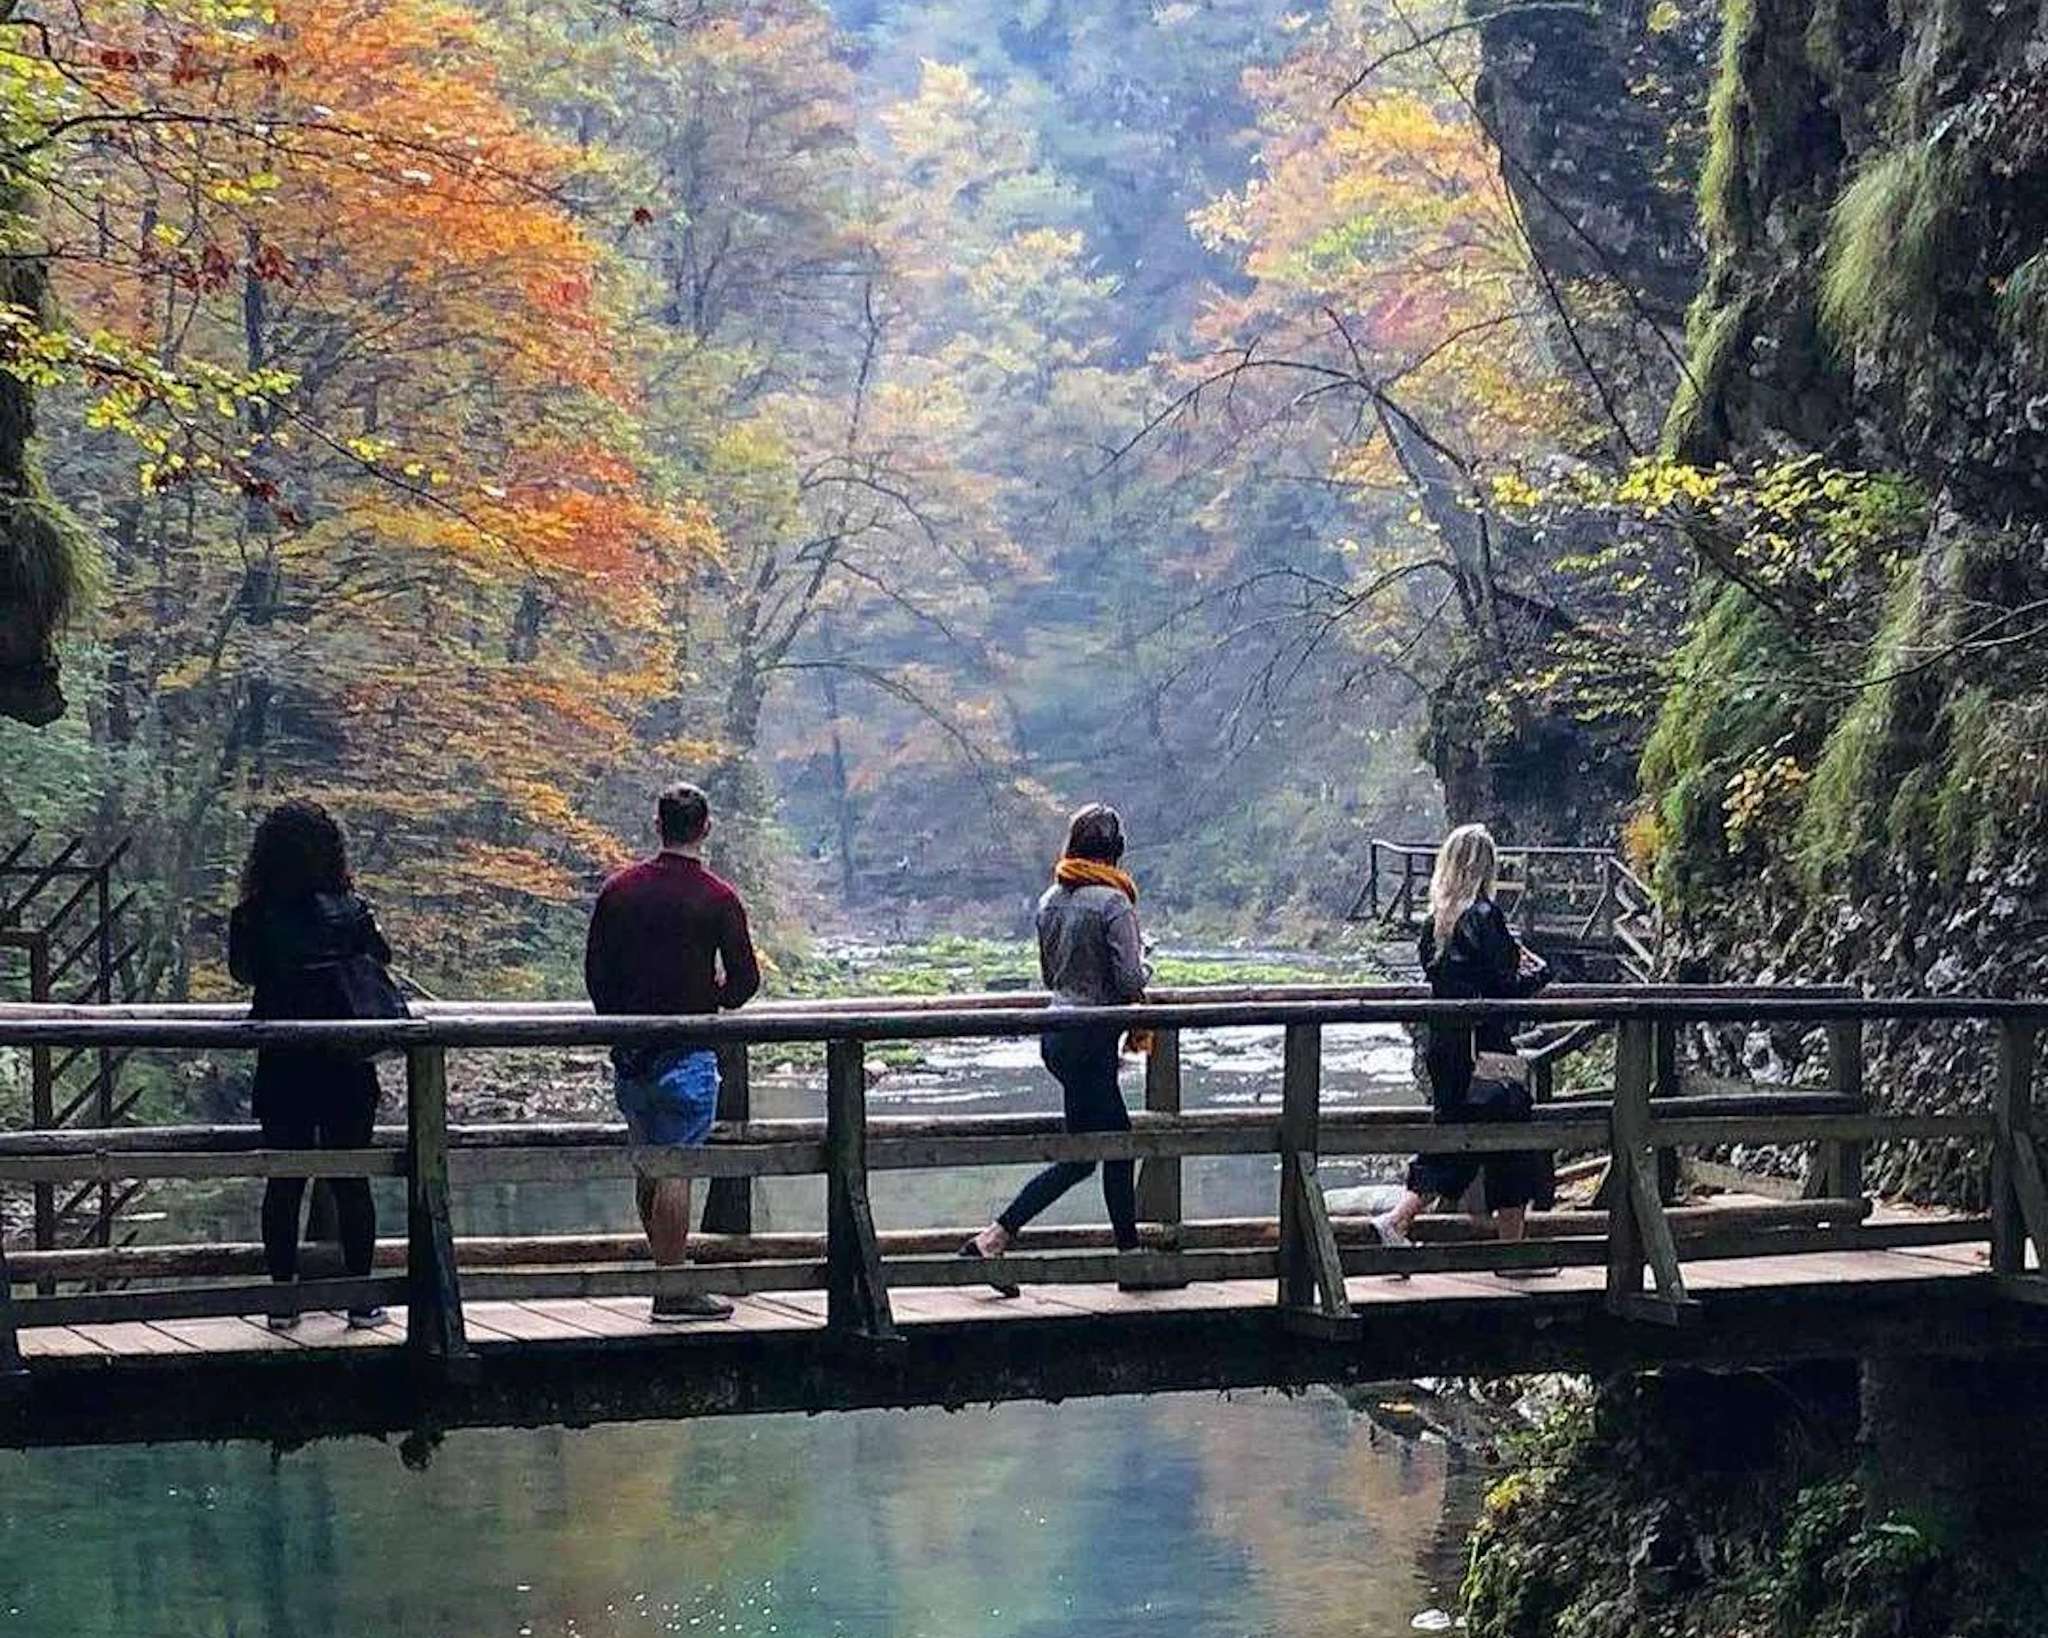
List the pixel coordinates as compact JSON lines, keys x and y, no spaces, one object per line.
{"x":694,"y":1305}
{"x":972,"y":1249}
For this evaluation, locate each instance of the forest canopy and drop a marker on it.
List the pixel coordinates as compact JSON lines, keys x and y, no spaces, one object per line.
{"x":475,"y":413}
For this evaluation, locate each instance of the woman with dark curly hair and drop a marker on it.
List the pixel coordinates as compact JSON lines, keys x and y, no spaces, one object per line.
{"x":297,"y":938}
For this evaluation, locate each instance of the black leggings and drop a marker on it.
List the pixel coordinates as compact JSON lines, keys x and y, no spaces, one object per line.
{"x":1083,"y":1061}
{"x":307,"y":1102}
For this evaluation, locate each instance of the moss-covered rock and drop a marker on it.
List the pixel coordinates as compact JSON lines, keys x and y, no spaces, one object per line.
{"x":1852,"y":788}
{"x":1697,"y":1506}
{"x":41,"y":567}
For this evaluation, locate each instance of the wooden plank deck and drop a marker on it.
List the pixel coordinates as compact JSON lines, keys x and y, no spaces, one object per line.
{"x":577,"y":1361}
{"x":495,"y":1325}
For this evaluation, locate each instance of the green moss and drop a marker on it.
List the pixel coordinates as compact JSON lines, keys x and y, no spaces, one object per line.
{"x":1727,"y":704}
{"x":42,"y":562}
{"x":1824,"y":43}
{"x":42,"y":568}
{"x":1891,"y":235}
{"x":1715,"y":332}
{"x":2023,"y":306}
{"x":1778,"y":1537}
{"x":953,"y":964}
{"x":1724,"y":190}
{"x":1845,"y":800}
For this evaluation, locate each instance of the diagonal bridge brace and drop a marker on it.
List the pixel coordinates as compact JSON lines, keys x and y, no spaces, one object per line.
{"x":1313,"y":1301}
{"x":1638,"y":1233}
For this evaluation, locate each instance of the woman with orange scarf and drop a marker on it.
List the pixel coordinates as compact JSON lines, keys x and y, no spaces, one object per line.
{"x":1091,"y":955}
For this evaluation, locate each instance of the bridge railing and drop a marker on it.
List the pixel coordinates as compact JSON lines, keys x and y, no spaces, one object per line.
{"x":1642,"y":1243}
{"x":1577,"y":895}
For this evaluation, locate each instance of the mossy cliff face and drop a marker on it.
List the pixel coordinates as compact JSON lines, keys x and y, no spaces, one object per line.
{"x":1874,"y":212}
{"x":1599,"y":114}
{"x":1859,"y":792}
{"x":1698,"y":1506}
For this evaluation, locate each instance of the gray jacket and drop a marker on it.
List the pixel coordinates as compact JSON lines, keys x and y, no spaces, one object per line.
{"x":1089,"y":951}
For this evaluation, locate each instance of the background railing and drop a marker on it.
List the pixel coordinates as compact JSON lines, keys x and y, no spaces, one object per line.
{"x":1642,"y":1243}
{"x":1574,"y":896}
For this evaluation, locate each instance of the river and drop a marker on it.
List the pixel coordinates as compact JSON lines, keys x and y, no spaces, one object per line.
{"x":1181,"y":1515}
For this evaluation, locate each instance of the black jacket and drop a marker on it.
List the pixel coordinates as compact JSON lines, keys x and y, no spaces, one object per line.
{"x":285,"y":952}
{"x":1482,"y":962}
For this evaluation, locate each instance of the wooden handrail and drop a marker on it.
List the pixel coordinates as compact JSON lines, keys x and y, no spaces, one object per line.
{"x":856,"y":1264}
{"x":25,"y":1027}
{"x":970,"y":1001}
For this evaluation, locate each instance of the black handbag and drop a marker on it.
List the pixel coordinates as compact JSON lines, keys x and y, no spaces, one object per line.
{"x":358,"y":987}
{"x":1499,"y":1100}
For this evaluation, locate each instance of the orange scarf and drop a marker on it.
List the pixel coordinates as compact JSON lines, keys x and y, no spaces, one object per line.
{"x":1072,"y":872}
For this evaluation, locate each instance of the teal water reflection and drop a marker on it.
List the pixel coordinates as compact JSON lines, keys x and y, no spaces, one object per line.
{"x":1185,"y":1515}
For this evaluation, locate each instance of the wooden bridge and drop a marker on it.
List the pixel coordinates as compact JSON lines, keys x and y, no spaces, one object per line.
{"x":106,"y":1344}
{"x":1583,"y":903}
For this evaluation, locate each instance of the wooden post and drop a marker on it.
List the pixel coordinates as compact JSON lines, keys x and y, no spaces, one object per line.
{"x":1841,"y":1163}
{"x":434,"y":1330}
{"x":1638,"y":1233}
{"x":1527,"y":908}
{"x":1633,"y":1068}
{"x":729,"y":1201}
{"x":1666,"y":1086}
{"x":13,"y":1374}
{"x":42,"y":1103}
{"x":103,"y":991}
{"x":1159,"y":1177}
{"x":2012,"y":1114}
{"x":856,"y":1294}
{"x":1311,"y":1272}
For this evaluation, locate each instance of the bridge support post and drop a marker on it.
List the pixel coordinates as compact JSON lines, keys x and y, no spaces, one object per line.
{"x":856,"y":1293}
{"x":1311,"y":1270}
{"x":1666,"y":1086}
{"x":1837,"y":1169}
{"x":13,"y":1374}
{"x":729,"y":1201}
{"x":1159,"y":1176}
{"x":2019,"y":1200}
{"x":434,"y":1333}
{"x":1638,"y":1233}
{"x":42,"y":1091}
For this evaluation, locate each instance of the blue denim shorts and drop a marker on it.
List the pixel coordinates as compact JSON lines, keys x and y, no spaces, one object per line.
{"x":674,"y":1104}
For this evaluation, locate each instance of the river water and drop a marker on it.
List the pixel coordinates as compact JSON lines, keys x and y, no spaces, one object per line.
{"x":1181,"y":1515}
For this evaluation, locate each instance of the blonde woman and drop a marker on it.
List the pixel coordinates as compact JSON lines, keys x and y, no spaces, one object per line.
{"x":1469,"y":953}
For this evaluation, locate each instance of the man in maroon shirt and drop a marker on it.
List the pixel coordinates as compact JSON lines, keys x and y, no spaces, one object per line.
{"x":669,"y":938}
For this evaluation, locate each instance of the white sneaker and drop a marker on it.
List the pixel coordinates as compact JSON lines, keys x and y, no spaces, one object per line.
{"x":1389,"y":1235}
